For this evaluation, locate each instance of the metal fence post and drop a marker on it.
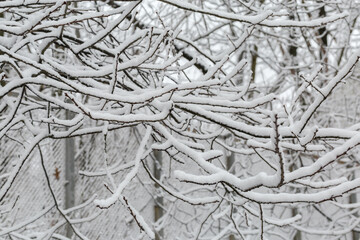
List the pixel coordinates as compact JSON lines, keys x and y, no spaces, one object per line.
{"x":158,"y":211}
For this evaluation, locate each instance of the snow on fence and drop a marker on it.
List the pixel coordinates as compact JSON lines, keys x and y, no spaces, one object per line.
{"x":30,"y":197}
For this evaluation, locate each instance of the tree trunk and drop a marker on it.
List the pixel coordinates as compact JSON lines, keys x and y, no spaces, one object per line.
{"x":69,"y":174}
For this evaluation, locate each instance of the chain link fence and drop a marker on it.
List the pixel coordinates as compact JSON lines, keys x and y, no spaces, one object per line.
{"x":29,"y":207}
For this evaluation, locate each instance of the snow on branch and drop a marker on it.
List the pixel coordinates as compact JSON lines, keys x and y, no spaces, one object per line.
{"x":241,"y":116}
